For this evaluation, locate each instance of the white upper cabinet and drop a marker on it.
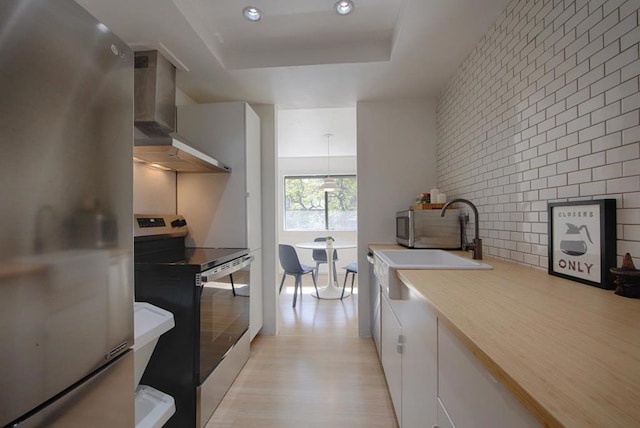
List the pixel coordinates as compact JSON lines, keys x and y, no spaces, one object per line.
{"x":223,"y":210}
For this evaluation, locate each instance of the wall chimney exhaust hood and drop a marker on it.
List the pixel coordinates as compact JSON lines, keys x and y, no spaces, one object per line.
{"x":155,"y":141}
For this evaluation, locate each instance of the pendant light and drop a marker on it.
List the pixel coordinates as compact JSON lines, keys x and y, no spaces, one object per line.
{"x":329,"y":184}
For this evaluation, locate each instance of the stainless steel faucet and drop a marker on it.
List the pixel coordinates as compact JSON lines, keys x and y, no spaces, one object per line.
{"x":476,"y":246}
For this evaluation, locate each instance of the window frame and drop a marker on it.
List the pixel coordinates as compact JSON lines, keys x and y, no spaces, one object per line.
{"x":326,"y":201}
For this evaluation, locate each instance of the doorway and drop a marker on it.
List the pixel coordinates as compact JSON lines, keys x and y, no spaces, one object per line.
{"x":313,"y":144}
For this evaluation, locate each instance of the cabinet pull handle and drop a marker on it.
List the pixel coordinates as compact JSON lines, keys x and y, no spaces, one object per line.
{"x":400,"y":346}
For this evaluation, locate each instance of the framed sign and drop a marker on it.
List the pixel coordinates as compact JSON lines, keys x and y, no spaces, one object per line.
{"x":582,"y":241}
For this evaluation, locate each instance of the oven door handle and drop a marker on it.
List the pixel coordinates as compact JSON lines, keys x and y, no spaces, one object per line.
{"x":218,"y":272}
{"x":246,"y":261}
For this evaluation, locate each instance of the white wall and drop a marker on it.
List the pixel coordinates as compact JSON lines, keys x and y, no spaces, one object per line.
{"x":154,"y":190}
{"x":546,"y":108}
{"x":396,"y":161}
{"x":301,"y":132}
{"x":183,"y":99}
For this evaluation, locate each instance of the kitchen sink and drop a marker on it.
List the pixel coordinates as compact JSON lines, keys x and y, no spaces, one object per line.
{"x":427,"y":259}
{"x":387,"y":262}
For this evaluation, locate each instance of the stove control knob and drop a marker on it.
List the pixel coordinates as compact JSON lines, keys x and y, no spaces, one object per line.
{"x":178,"y":223}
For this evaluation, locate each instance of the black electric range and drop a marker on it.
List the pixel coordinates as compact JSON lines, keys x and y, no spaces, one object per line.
{"x":207,"y":290}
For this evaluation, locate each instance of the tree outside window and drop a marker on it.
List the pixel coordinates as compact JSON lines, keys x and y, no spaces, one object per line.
{"x":309,"y":208}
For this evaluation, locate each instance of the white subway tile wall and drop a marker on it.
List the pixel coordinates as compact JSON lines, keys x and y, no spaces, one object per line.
{"x":546,"y":108}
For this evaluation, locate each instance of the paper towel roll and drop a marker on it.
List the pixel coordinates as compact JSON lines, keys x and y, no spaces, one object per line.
{"x":434,"y":195}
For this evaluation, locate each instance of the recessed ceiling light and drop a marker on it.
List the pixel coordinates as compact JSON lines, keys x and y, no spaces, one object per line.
{"x":252,"y":13}
{"x":103,"y":27}
{"x":344,"y":7}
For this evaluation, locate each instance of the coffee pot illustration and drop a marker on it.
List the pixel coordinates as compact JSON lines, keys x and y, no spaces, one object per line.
{"x":574,"y":243}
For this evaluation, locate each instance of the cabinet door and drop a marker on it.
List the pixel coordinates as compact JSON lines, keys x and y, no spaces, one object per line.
{"x":472,"y":397}
{"x":254,"y":179}
{"x":215,"y":205}
{"x":375,"y":328}
{"x":444,"y":421}
{"x":419,"y":363}
{"x":376,"y":295}
{"x":391,"y":348}
{"x":255,"y":302}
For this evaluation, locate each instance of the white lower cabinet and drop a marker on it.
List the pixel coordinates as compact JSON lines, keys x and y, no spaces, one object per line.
{"x":375,"y":328}
{"x":409,"y":359}
{"x":419,"y":364}
{"x":374,"y":286}
{"x":391,"y":357}
{"x":434,"y":380}
{"x":471,"y":396}
{"x":444,"y":421}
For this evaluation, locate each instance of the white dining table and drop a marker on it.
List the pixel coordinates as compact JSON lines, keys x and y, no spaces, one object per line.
{"x":331,"y":290}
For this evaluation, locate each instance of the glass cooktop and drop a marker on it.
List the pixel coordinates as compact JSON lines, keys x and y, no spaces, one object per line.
{"x":205,"y":258}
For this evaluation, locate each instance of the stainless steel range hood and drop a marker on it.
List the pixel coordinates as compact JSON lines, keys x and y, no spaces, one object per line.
{"x":155,"y":141}
{"x":173,"y":153}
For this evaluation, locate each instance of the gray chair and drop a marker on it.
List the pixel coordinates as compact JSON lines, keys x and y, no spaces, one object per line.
{"x":352,"y":268}
{"x":292,"y":266}
{"x":320,"y":256}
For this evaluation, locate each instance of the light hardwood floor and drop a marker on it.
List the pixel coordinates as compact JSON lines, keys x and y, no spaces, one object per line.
{"x":316,"y":373}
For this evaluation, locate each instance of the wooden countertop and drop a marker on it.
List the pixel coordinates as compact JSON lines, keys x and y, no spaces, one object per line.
{"x":570,"y":352}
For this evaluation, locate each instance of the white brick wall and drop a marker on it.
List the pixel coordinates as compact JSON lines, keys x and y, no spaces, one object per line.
{"x":546,"y":108}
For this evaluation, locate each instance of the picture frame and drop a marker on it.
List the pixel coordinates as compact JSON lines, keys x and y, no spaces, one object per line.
{"x":582,"y":241}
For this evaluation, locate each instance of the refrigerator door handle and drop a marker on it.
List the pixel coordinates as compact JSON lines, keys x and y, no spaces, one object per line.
{"x":116,"y":351}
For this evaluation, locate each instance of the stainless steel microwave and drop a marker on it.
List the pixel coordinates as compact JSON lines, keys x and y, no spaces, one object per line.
{"x":427,"y":229}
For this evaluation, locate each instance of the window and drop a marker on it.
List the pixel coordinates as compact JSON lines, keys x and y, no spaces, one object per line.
{"x":306,"y":207}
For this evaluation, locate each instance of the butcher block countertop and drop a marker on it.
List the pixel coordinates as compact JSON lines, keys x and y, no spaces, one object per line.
{"x":569,"y":351}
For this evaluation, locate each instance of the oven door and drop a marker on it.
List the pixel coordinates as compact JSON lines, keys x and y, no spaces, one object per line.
{"x":224,"y":334}
{"x":224,"y":314}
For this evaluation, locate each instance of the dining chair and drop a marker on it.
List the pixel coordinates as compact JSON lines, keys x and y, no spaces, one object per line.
{"x":320,"y":256}
{"x":351,"y":268}
{"x":291,"y":265}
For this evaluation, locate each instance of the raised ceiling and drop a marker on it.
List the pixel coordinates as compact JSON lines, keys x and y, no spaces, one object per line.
{"x":294,"y":33}
{"x":301,"y":54}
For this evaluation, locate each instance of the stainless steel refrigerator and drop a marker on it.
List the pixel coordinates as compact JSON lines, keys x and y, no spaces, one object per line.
{"x":66,"y":273}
